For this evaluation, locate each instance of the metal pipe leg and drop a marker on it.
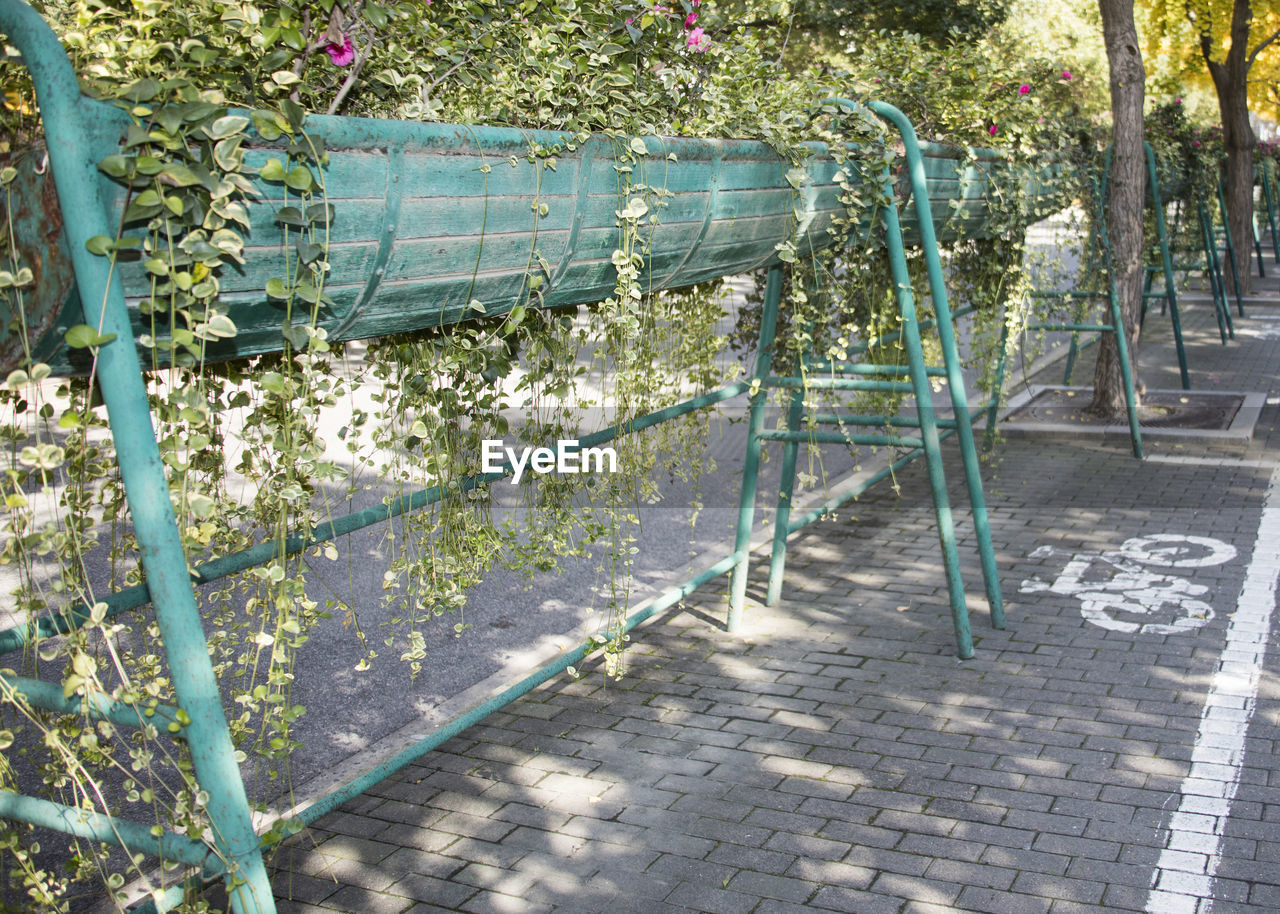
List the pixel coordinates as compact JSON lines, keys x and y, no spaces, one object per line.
{"x":786,"y":492}
{"x":751,"y":466}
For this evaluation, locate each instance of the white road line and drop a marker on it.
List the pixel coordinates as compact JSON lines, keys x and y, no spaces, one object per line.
{"x":1183,"y":879}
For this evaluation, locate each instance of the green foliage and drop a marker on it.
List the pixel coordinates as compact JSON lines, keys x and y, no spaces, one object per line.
{"x":935,"y":20}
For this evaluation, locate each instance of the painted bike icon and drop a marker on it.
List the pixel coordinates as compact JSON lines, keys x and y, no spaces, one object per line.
{"x":1119,"y":590}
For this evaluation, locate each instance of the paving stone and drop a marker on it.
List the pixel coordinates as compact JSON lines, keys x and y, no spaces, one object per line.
{"x":303,"y":889}
{"x":853,"y":901}
{"x":415,"y":887}
{"x":712,"y":899}
{"x":288,"y":906}
{"x":352,"y":898}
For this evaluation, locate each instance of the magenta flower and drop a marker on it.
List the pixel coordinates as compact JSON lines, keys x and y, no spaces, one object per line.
{"x":1023,"y":89}
{"x":992,"y":129}
{"x":1066,"y":74}
{"x":698,"y":40}
{"x":690,"y":20}
{"x":341,"y":54}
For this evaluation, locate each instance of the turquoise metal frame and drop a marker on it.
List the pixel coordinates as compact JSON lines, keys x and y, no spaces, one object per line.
{"x":1169,"y":294}
{"x":1100,"y":249}
{"x":74,"y":129}
{"x":1269,"y":198}
{"x":68,"y":120}
{"x":1211,"y":268}
{"x":876,"y":377}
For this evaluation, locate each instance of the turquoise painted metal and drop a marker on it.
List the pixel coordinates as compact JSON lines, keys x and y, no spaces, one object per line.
{"x":394,"y":186}
{"x":1209,"y":241}
{"x":1170,"y":292}
{"x":1100,"y":252}
{"x":429,"y":217}
{"x":1269,"y":198}
{"x":68,"y":125}
{"x":955,"y":379}
{"x":927,"y":444}
{"x":1229,"y":243}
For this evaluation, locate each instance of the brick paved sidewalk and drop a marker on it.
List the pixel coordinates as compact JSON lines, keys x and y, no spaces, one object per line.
{"x":835,"y":756}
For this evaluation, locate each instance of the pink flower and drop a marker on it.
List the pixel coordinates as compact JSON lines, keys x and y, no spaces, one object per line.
{"x":1023,"y":89}
{"x":698,"y":40}
{"x":690,"y":20}
{"x":1066,"y":74}
{"x":341,"y":54}
{"x":992,"y":129}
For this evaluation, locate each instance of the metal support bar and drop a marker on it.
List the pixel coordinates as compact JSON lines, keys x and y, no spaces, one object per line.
{"x":146,"y":488}
{"x":1269,"y":196}
{"x":1075,"y":328}
{"x":786,"y":491}
{"x":49,"y":696}
{"x":928,"y":430}
{"x":1231,"y":250}
{"x":919,"y":374}
{"x":1100,"y":246}
{"x":94,"y":826}
{"x":1166,"y":265}
{"x":1213,"y":267}
{"x":868,"y":368}
{"x":838,"y":384}
{"x":881,"y":421}
{"x":778,"y":434}
{"x":955,"y":379}
{"x":751,"y":465}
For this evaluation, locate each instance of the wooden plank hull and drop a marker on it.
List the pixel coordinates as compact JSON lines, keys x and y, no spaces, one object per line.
{"x":431,"y":217}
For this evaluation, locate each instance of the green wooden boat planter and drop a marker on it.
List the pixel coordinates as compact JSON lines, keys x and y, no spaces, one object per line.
{"x":966,"y":187}
{"x":428,"y":218}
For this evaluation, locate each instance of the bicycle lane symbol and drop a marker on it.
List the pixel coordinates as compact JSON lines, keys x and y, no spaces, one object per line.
{"x":1119,"y":590}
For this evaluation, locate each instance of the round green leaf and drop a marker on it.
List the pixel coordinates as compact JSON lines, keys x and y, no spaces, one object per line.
{"x":115,"y":166}
{"x":82,"y":336}
{"x":227,"y":126}
{"x":100,"y":245}
{"x":299,"y":178}
{"x":272,"y":170}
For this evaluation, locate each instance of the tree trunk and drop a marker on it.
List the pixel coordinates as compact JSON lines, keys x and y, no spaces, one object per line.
{"x":1231,"y":82}
{"x":1125,"y":199}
